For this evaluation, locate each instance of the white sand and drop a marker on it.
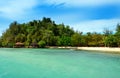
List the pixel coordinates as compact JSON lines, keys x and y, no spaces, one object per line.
{"x":104,"y":49}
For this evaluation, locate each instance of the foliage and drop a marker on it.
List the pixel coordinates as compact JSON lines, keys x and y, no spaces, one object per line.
{"x":111,"y":41}
{"x":46,"y":32}
{"x":64,"y":41}
{"x":37,"y":31}
{"x":76,"y":39}
{"x":41,"y":44}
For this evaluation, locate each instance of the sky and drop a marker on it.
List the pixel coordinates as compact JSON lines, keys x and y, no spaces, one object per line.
{"x":81,"y":15}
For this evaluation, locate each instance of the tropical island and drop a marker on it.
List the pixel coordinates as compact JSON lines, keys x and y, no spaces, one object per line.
{"x":46,"y":33}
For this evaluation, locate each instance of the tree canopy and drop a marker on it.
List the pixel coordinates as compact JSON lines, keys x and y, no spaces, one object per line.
{"x":46,"y":32}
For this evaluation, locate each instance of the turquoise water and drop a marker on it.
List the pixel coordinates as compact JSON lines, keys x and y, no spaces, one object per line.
{"x":57,"y":63}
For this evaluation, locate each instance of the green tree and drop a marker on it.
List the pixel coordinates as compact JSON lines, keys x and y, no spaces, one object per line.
{"x":48,"y":37}
{"x":41,"y":44}
{"x":117,"y":34}
{"x":20,"y":38}
{"x":111,"y":41}
{"x":107,"y":32}
{"x":76,"y":39}
{"x":64,"y":41}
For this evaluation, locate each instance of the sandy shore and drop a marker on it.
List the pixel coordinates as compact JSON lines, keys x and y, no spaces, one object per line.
{"x":104,"y":49}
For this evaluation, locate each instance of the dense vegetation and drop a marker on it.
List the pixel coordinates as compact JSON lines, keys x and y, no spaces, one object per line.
{"x":46,"y":32}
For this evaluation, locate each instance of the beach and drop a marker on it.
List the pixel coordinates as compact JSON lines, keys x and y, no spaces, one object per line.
{"x":102,"y":49}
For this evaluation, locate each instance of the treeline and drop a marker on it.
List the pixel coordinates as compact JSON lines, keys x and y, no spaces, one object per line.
{"x":46,"y":32}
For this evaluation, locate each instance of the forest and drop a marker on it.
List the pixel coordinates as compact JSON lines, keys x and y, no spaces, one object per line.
{"x":45,"y":32}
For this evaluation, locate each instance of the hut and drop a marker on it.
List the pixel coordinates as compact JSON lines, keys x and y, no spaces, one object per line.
{"x":34,"y":45}
{"x":19,"y":45}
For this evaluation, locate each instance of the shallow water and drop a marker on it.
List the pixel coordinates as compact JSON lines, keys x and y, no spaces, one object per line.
{"x":58,"y":63}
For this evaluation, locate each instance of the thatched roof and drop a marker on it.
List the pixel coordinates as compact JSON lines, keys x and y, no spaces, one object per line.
{"x":19,"y":43}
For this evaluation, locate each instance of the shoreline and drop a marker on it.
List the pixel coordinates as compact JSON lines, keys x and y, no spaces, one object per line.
{"x":101,"y":49}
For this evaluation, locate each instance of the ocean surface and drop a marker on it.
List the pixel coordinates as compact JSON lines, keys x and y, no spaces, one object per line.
{"x":57,"y":63}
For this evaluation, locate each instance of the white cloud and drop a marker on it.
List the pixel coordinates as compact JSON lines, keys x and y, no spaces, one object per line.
{"x":83,"y":2}
{"x":96,"y":25}
{"x":15,"y":8}
{"x":19,"y":9}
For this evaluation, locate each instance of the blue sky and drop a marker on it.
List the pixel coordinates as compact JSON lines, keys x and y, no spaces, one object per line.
{"x":82,"y":15}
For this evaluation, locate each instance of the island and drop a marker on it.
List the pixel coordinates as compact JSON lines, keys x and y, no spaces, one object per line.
{"x":46,"y":33}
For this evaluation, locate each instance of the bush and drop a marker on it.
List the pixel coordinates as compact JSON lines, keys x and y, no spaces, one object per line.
{"x":42,"y":44}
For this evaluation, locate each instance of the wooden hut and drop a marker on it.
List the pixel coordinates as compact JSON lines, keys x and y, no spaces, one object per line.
{"x":34,"y":45}
{"x":19,"y":45}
